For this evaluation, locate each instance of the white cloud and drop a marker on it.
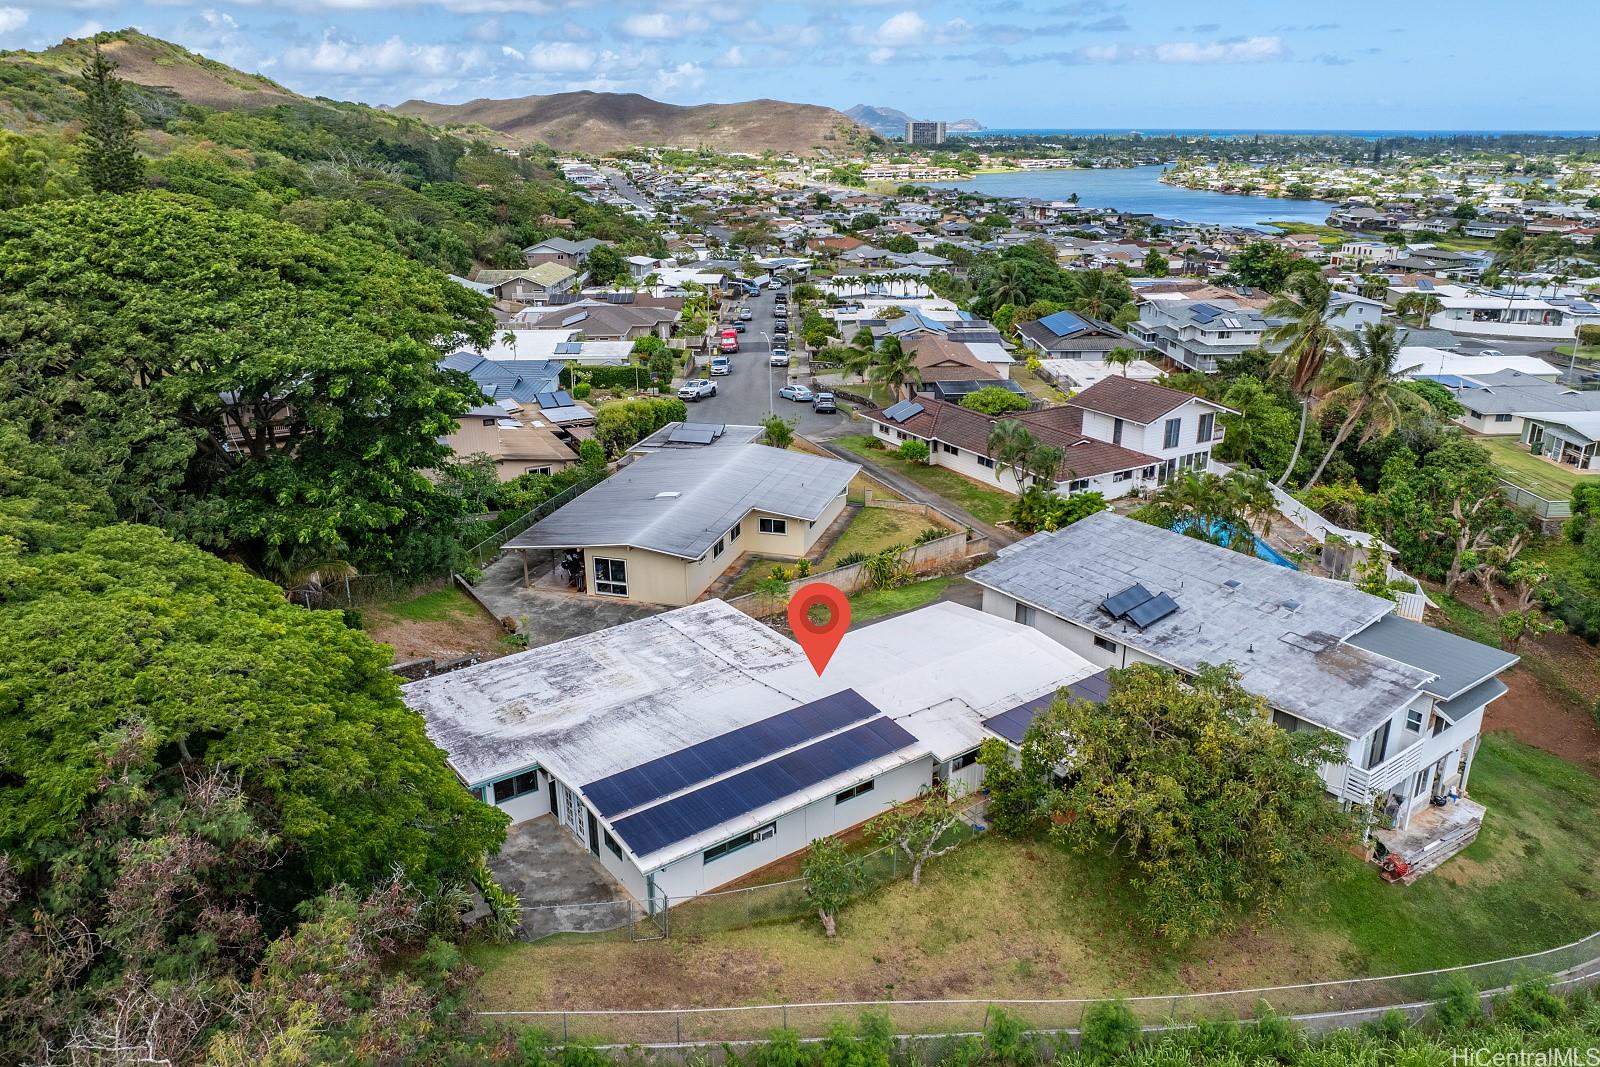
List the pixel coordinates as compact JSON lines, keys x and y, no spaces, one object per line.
{"x":561,"y":56}
{"x":88,"y":29}
{"x":662,"y":25}
{"x":907,"y":27}
{"x":910,"y":28}
{"x":488,"y":31}
{"x":1239,"y":50}
{"x":880,"y":55}
{"x":683,"y":76}
{"x":335,"y":55}
{"x":12,"y":18}
{"x":733,"y":57}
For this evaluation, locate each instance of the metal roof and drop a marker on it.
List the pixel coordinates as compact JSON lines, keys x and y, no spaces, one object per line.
{"x":714,"y":487}
{"x":1459,"y":663}
{"x":1296,"y":660}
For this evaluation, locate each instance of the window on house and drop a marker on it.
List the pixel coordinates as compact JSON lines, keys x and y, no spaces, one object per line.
{"x":1439,"y":724}
{"x":854,"y":791}
{"x":1208,"y":421}
{"x":1105,"y":643}
{"x":1023,"y":614}
{"x":1122,"y":476}
{"x":985,"y":461}
{"x":717,"y":549}
{"x":1173,"y":428}
{"x":965,"y":760}
{"x":1421,"y":785}
{"x":742,"y":841}
{"x":952,"y":449}
{"x":733,"y":534}
{"x":1503,"y":417}
{"x":1078,"y":485}
{"x":480,"y":793}
{"x":1284,"y":721}
{"x":1116,"y":431}
{"x":517,"y":785}
{"x":900,"y":434}
{"x":1414,"y":720}
{"x":611,"y":843}
{"x":610,"y":577}
{"x":1148,"y":472}
{"x":775,"y":526}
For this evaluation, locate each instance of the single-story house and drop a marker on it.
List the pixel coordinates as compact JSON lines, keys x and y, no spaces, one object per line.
{"x":691,"y":748}
{"x":518,"y":446}
{"x":1569,"y":438}
{"x":1068,"y":335}
{"x":530,"y":285}
{"x":664,"y":527}
{"x":1407,"y":700}
{"x":1496,"y":403}
{"x":560,"y":251}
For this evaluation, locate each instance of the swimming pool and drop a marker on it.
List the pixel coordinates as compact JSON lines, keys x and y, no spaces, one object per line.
{"x":1263,"y":550}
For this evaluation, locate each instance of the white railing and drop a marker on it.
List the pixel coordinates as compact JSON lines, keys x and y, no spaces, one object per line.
{"x":1361,"y":785}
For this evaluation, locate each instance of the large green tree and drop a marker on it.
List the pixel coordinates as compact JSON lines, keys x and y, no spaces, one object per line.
{"x":1218,"y":811}
{"x":1369,"y":385}
{"x":213,"y":669}
{"x":235,"y":380}
{"x":1309,"y":339}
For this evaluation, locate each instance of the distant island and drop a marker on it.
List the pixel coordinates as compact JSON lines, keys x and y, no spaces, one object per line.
{"x":891,"y":122}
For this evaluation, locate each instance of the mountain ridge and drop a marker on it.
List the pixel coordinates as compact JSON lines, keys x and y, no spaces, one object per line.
{"x":598,"y":122}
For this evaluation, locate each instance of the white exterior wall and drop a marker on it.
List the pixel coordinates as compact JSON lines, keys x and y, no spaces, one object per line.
{"x":528,"y":806}
{"x":1459,"y":320}
{"x":1486,"y":424}
{"x":965,"y":462}
{"x":796,"y":830}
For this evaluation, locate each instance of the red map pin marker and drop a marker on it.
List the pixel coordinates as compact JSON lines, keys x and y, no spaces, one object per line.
{"x":819,"y":639}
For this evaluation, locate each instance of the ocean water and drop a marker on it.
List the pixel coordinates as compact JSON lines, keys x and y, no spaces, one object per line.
{"x":1139,"y":189}
{"x":1366,"y":135}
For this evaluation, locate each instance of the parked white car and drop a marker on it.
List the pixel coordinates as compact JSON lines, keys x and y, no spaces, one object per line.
{"x":697,"y":389}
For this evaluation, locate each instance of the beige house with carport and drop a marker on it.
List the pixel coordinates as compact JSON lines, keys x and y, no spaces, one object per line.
{"x":664,"y":527}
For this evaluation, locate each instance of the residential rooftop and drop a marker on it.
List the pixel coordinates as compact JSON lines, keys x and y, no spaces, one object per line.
{"x":1286,"y":632}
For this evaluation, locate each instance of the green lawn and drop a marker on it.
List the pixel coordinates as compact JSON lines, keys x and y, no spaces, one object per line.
{"x":435,"y":606}
{"x":987,"y":505}
{"x":756,"y":568}
{"x":1331,"y":236}
{"x":872,"y":531}
{"x":1020,"y":918}
{"x":1532,"y":473}
{"x":875,"y":604}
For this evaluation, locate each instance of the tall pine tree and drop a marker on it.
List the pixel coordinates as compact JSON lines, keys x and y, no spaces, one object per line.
{"x":110,"y":160}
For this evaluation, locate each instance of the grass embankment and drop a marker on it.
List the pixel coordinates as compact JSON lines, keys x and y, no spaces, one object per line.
{"x":875,"y":604}
{"x":1007,"y":918}
{"x":434,"y":622}
{"x":1329,"y":236}
{"x":872,"y":531}
{"x":1521,"y":467}
{"x":986,"y":505}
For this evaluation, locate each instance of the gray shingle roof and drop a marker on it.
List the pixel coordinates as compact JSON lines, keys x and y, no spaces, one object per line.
{"x":1296,"y":658}
{"x":1458,"y":662}
{"x":680,"y":502}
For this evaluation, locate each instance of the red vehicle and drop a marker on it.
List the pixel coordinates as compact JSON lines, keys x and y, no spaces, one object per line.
{"x":730,"y":342}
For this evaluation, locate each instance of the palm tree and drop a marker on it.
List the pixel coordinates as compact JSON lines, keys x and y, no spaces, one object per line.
{"x":1010,"y":445}
{"x":1309,"y":340}
{"x":1423,"y":305}
{"x":1095,"y":293}
{"x":855,"y":361}
{"x":1007,"y":285}
{"x":509,"y":339}
{"x":1221,"y":510}
{"x":1043,"y":464}
{"x":896,"y":368}
{"x":1121,"y":356}
{"x":1368,"y":384}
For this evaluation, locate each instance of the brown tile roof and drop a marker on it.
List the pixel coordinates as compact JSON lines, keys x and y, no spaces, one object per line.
{"x":1131,"y":399}
{"x":969,"y":430}
{"x":942,"y":360}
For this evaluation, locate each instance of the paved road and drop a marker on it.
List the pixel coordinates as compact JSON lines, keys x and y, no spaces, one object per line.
{"x":749,"y":394}
{"x":626,"y":189}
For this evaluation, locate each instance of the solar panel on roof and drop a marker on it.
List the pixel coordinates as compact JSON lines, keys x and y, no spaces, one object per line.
{"x":693,"y":813}
{"x":725,"y":752}
{"x":912,"y":408}
{"x":569,"y":348}
{"x":691,"y":435}
{"x":1153,"y":610}
{"x":1424,"y":284}
{"x":1119,"y":604}
{"x":1063,"y":324}
{"x":575,"y":318}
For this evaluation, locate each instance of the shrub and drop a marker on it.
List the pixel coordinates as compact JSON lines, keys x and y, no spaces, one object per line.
{"x":582,"y":390}
{"x":850,"y":559}
{"x":932,"y":533}
{"x":913,"y":452}
{"x":1458,"y":1005}
{"x":993,"y":400}
{"x":888,"y":569}
{"x":802,"y":568}
{"x":1109,"y":1032}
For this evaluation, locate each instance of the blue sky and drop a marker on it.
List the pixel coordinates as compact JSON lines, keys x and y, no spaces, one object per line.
{"x":1078,"y":63}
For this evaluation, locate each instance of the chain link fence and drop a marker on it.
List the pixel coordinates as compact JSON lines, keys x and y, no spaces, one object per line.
{"x":1340,"y":1002}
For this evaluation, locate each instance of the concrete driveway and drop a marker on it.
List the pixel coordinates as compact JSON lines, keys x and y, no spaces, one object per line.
{"x":548,"y":615}
{"x":562,"y":887}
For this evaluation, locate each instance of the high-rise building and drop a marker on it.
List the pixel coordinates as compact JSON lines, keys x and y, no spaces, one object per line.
{"x":925,"y":133}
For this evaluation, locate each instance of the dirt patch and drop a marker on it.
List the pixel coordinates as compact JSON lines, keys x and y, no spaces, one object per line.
{"x":460,"y":636}
{"x":1533,"y":714}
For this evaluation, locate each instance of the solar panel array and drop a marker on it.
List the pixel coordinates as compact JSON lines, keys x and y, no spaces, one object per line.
{"x":902,"y":411}
{"x":721,"y":754}
{"x":1013,"y":724}
{"x":691,"y":435}
{"x":1204,"y":312}
{"x":556,"y":398}
{"x":1153,"y":610}
{"x":575,"y":318}
{"x":569,"y":348}
{"x":1063,"y":324}
{"x":692,"y":813}
{"x":1119,"y":604}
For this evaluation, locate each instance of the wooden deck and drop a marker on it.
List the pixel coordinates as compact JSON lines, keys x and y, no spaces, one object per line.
{"x":1435,"y":834}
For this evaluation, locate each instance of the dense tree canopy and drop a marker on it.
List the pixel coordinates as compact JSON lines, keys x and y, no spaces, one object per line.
{"x":232,"y":379}
{"x":1218,"y":809}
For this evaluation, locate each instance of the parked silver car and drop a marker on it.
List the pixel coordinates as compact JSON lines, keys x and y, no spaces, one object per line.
{"x":697,"y":389}
{"x":799,"y":393}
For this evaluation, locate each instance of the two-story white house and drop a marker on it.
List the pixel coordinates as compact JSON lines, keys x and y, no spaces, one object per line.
{"x":1118,"y":435}
{"x":1199,"y":335}
{"x":1405,"y":700}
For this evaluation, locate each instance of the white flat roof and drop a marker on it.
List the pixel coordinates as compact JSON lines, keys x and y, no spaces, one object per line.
{"x":1438,"y":361}
{"x":593,"y":706}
